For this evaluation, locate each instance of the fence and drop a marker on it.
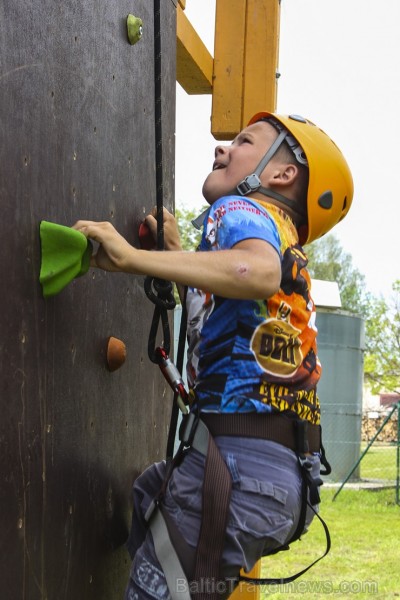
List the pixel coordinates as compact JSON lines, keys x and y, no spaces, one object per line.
{"x":379,"y":461}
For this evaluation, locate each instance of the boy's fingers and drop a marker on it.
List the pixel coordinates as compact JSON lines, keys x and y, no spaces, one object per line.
{"x":151,"y":223}
{"x":94,"y":230}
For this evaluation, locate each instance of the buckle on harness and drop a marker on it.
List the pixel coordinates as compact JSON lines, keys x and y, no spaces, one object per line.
{"x":188,"y":428}
{"x":302,"y":449}
{"x":312,"y":483}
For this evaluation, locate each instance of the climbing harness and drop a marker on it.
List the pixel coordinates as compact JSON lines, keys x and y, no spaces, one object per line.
{"x":196,"y":565}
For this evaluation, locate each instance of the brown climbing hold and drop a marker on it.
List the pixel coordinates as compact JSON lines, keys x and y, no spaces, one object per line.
{"x":116,"y":353}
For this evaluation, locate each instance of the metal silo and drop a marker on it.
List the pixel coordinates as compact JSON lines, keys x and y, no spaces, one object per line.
{"x":340,"y":349}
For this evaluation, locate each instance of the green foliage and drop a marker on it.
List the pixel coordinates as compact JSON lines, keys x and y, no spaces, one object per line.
{"x":190,"y":236}
{"x":329,"y":262}
{"x":382,"y":354}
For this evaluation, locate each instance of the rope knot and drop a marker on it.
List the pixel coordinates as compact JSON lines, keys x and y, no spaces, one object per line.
{"x":160,"y":292}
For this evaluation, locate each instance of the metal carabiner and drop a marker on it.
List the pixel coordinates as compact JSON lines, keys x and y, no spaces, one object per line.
{"x":173,"y":378}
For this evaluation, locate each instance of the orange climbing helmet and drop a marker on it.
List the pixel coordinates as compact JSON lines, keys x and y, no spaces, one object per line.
{"x":330,"y":185}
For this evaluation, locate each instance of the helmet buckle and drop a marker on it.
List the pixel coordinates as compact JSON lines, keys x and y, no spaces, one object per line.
{"x":251,"y":183}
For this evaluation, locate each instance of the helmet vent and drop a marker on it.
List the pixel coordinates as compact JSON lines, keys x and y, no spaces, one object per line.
{"x":326,"y":200}
{"x":344,"y":203}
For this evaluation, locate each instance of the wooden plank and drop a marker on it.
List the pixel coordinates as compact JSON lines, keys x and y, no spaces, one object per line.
{"x":194,"y":63}
{"x":245,"y":63}
{"x":229,"y":48}
{"x":261,"y":57}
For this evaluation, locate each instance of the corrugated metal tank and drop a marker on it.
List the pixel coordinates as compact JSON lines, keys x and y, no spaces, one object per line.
{"x":340,"y":350}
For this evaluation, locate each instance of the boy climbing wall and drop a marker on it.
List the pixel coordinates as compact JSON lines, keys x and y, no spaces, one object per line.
{"x":253,"y":367}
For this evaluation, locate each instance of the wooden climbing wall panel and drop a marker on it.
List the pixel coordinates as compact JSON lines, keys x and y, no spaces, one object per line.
{"x":77,"y":141}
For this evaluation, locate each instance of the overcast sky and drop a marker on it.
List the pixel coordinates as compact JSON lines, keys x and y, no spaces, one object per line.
{"x":339,"y":64}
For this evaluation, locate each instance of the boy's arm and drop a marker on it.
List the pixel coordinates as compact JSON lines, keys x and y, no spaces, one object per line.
{"x":250,"y":270}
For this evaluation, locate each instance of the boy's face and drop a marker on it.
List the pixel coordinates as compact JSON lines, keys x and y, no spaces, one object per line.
{"x":233,"y":163}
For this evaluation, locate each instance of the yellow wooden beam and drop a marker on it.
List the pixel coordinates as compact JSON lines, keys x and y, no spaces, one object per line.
{"x":245,"y":63}
{"x":248,"y":591}
{"x":261,"y":57}
{"x":182,"y":3}
{"x":229,"y":48}
{"x":194,"y":63}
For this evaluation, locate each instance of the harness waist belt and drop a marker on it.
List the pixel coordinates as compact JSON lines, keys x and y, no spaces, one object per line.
{"x":273,"y":427}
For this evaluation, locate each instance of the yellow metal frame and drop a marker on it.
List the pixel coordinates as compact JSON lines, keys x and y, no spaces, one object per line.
{"x":242,"y":76}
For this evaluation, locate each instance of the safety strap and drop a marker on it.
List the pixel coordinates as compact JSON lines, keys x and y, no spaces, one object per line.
{"x":166,"y":554}
{"x":217,"y":487}
{"x":274,"y":427}
{"x":252,"y":182}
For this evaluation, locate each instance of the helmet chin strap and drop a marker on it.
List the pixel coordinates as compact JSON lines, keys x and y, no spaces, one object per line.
{"x":252,"y":183}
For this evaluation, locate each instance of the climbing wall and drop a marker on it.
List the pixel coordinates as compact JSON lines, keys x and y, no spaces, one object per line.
{"x":77,"y":141}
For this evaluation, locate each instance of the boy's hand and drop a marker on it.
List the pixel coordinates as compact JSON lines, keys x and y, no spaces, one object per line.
{"x":113,"y":249}
{"x":171,"y":233}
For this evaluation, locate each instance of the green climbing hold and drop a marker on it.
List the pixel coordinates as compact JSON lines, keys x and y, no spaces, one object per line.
{"x":65,"y":255}
{"x":135,"y":28}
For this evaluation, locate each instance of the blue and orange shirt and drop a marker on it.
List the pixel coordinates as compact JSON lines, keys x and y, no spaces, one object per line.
{"x":254,"y":355}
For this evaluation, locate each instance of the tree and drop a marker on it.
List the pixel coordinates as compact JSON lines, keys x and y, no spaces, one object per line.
{"x":190,"y":236}
{"x":382,"y":353}
{"x":329,"y":262}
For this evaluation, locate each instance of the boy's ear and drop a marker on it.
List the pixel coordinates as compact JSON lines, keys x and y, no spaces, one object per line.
{"x":285,"y":174}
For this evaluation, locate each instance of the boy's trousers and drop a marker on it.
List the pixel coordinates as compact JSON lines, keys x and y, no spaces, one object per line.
{"x":264,"y":510}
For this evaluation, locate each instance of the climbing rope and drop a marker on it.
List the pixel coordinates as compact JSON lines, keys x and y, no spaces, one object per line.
{"x":159,"y":291}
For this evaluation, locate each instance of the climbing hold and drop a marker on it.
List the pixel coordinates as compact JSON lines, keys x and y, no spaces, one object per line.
{"x":65,"y":255}
{"x":146,"y":239}
{"x":135,"y":28}
{"x":116,"y":353}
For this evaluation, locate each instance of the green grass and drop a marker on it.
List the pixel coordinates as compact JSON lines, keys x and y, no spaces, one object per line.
{"x":379,"y":462}
{"x":365,"y":555}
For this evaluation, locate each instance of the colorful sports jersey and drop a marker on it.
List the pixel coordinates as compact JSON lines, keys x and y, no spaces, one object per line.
{"x":254,"y":355}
